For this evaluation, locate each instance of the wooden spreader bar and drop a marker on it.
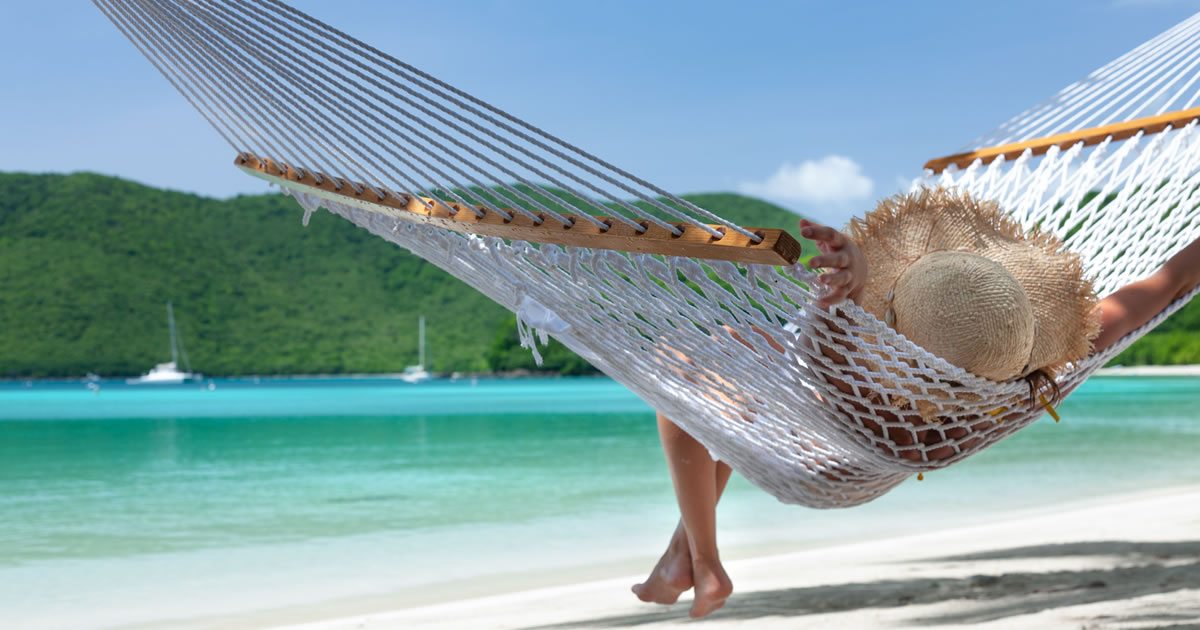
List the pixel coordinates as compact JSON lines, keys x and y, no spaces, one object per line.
{"x":777,"y":247}
{"x":1094,"y":135}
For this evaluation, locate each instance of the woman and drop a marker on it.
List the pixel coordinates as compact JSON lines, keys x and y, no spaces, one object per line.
{"x":1061,"y":322}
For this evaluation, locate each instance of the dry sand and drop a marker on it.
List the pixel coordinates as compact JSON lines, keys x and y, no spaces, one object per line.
{"x":1150,"y":370}
{"x":1131,"y":562}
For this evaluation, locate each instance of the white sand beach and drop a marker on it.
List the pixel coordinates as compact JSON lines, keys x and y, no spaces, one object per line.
{"x":1150,"y":370}
{"x":1129,"y":562}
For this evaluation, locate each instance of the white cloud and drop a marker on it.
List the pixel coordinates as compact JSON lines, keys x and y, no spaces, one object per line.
{"x":831,"y":179}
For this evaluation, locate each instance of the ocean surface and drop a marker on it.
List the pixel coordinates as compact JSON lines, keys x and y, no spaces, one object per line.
{"x":140,"y":506}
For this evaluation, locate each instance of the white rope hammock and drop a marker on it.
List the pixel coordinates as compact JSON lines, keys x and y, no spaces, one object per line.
{"x":353,"y":130}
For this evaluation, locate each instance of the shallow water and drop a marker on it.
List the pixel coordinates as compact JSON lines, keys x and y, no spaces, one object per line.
{"x":139,"y":503}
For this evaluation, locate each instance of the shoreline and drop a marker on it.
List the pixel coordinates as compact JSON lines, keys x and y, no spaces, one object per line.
{"x":1120,"y":370}
{"x":1149,"y":370}
{"x":381,"y":376}
{"x":1101,"y":563}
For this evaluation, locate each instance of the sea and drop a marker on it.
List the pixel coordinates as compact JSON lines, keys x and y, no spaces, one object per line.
{"x":231,"y":502}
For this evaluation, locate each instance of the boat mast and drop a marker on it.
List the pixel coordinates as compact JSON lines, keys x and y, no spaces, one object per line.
{"x":421,"y":341}
{"x":171,"y":325}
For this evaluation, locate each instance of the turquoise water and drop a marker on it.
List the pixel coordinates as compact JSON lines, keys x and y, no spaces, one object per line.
{"x":134,"y":504}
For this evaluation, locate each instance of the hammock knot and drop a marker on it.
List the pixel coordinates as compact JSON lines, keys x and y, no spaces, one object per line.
{"x":310,"y":203}
{"x":533,"y":317}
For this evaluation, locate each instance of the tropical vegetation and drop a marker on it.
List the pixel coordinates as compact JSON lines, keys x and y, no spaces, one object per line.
{"x":88,"y":263}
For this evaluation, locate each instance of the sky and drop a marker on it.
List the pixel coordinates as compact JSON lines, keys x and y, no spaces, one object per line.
{"x":821,"y":107}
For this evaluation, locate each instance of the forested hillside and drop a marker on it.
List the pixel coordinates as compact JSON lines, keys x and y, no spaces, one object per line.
{"x":87,"y":264}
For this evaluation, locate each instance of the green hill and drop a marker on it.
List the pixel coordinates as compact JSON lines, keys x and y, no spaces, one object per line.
{"x":88,"y":262}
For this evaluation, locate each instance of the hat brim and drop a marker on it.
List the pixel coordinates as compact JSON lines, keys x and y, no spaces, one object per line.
{"x":903,"y":228}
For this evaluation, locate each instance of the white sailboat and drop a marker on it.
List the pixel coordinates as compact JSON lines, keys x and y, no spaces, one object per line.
{"x":168,"y":373}
{"x":418,"y":373}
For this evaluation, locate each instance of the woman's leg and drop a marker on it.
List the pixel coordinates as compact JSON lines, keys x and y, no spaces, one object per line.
{"x":694,"y":475}
{"x":673,"y":573}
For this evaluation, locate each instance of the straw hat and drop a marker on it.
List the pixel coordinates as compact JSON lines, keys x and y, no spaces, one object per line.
{"x":961,"y":279}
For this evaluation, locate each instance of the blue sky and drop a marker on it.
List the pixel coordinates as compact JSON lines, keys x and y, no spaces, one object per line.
{"x":819,"y":106}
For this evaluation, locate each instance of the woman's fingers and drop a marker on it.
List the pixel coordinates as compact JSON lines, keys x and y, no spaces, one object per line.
{"x":833,"y":260}
{"x":839,"y":278}
{"x":837,"y":294}
{"x":829,"y":300}
{"x":829,"y":241}
{"x":833,"y":245}
{"x":822,"y":233}
{"x":821,"y":245}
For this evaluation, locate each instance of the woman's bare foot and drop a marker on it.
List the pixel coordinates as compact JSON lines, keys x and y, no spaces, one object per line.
{"x":671,"y":576}
{"x":713,"y":586}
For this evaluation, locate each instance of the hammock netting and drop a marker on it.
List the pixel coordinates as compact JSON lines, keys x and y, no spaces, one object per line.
{"x":814,"y":406}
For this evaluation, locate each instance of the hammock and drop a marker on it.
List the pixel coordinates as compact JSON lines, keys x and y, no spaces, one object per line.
{"x":661,"y":294}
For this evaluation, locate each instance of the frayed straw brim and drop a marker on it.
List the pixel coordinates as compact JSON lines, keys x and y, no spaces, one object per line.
{"x":904,"y":228}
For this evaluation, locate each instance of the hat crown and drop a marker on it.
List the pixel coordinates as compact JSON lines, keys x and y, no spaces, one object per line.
{"x":968,"y":310}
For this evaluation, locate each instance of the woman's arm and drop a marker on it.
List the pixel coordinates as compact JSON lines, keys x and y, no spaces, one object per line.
{"x":1131,"y":306}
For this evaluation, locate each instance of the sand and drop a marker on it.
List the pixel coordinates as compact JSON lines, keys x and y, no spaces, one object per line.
{"x":1130,"y":562}
{"x":1150,"y":370}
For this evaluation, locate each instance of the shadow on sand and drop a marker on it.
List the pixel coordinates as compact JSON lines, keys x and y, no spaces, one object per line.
{"x":1137,"y":569}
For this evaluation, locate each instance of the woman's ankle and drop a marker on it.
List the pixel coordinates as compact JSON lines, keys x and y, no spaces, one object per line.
{"x":706,"y":560}
{"x":712,"y":585}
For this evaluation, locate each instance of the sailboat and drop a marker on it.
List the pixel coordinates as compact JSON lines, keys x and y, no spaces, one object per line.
{"x":418,"y":373}
{"x":168,"y":373}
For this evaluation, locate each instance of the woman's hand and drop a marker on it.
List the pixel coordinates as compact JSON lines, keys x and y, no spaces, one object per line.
{"x":845,"y":262}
